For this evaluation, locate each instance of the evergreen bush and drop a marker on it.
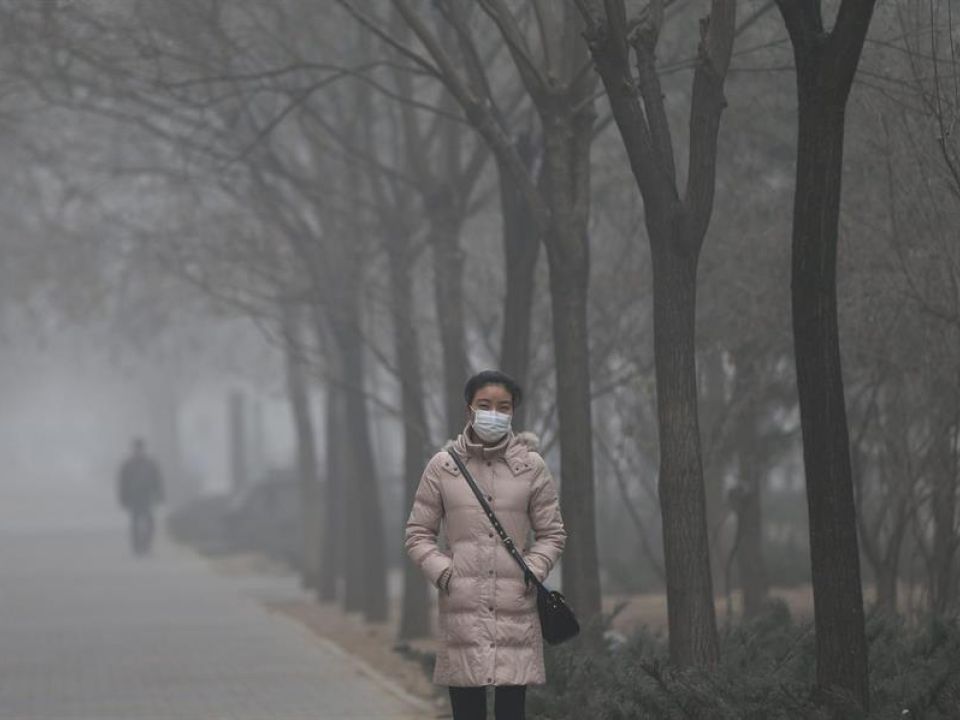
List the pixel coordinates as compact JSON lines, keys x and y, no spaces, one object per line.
{"x":767,"y":672}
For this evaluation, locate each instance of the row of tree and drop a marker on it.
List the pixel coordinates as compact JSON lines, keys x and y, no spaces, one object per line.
{"x":335,"y":172}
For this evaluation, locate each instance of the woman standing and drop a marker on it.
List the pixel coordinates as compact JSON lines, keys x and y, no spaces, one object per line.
{"x":489,"y":628}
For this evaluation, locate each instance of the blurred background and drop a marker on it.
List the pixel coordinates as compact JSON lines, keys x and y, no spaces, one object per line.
{"x":274,"y":239}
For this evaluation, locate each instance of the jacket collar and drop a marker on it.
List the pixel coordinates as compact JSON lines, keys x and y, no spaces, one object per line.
{"x":514,"y":449}
{"x":466,"y":447}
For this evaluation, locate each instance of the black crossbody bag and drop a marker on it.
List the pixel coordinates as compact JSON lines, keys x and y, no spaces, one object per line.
{"x":557,"y":621}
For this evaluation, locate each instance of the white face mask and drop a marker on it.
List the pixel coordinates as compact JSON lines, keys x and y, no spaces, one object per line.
{"x":490,"y":425}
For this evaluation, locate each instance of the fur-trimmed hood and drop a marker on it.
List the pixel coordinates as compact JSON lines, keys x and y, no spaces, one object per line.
{"x":530,"y":439}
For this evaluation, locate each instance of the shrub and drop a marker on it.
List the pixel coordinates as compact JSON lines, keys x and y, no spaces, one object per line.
{"x":766,"y":672}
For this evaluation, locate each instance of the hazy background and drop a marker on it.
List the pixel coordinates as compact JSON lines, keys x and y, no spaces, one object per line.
{"x":274,"y":239}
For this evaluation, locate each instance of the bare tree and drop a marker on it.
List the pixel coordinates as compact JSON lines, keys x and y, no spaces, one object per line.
{"x":826,"y":62}
{"x":558,"y":82}
{"x":676,"y":226}
{"x":929,"y":31}
{"x":307,"y":458}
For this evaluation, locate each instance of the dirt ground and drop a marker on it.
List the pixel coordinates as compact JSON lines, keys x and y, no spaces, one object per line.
{"x":375,"y":644}
{"x":650,"y":610}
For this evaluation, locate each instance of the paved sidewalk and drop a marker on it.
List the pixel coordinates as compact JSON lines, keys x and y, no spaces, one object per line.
{"x":88,"y":632}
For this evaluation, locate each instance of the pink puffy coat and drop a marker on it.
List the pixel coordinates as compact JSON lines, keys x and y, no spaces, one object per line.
{"x":489,"y":629}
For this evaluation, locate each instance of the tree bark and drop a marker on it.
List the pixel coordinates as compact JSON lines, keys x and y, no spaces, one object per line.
{"x":944,"y":512}
{"x":307,"y":463}
{"x":444,"y":240}
{"x":238,"y":440}
{"x":713,"y":411}
{"x":834,"y":552}
{"x":364,"y":554}
{"x":690,"y":607}
{"x":750,"y":563}
{"x":334,"y":525}
{"x":826,"y":64}
{"x":566,"y":184}
{"x":521,"y":244}
{"x":414,"y":617}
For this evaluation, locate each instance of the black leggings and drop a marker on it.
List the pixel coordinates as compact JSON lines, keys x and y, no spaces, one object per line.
{"x":470,"y":703}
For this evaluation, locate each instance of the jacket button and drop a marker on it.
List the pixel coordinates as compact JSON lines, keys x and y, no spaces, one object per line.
{"x":489,"y":463}
{"x":493,"y":644}
{"x":490,"y":535}
{"x":489,"y":680}
{"x":490,"y":572}
{"x":489,"y":498}
{"x":490,"y":608}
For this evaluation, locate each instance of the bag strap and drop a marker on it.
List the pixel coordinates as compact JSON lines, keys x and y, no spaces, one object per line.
{"x":507,"y":540}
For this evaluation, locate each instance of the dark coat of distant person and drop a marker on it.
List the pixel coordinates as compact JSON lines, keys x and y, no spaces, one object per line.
{"x":139,"y":485}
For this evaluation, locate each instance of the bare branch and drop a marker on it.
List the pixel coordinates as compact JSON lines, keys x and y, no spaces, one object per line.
{"x":706,"y":108}
{"x":533,"y":79}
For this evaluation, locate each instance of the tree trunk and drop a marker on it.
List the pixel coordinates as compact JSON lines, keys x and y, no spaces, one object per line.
{"x":563,"y":96}
{"x":163,"y":401}
{"x":521,"y":243}
{"x":414,"y":617}
{"x":567,"y":160}
{"x":676,"y":226}
{"x":884,"y":560}
{"x":307,"y":468}
{"x":690,"y":608}
{"x":238,"y":440}
{"x":334,"y":525}
{"x":886,"y":578}
{"x":364,"y":556}
{"x":444,"y":240}
{"x":944,"y":513}
{"x":714,"y":410}
{"x":750,"y":563}
{"x":835,"y":560}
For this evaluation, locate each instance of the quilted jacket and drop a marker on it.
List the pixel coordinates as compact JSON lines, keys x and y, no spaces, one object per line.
{"x":489,"y":629}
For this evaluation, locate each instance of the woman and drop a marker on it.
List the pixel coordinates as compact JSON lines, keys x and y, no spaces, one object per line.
{"x":489,"y":628}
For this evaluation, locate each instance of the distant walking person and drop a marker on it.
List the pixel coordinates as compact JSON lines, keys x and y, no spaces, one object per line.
{"x":139,"y":488}
{"x":489,"y":628}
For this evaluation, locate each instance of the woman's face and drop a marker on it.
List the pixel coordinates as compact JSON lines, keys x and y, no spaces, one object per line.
{"x":492,"y":397}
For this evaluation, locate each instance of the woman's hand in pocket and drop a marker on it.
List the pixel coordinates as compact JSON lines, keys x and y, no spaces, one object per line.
{"x":443,"y":582}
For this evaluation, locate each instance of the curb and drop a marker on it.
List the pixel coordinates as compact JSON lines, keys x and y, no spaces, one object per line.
{"x":364,"y":668}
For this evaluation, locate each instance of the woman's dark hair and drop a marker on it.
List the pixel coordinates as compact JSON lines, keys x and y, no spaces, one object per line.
{"x":492,"y":377}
